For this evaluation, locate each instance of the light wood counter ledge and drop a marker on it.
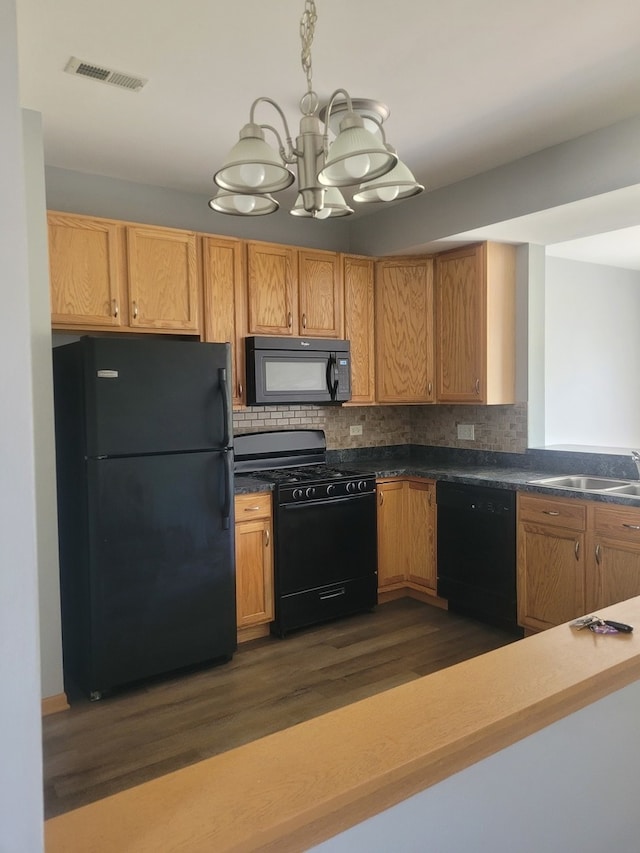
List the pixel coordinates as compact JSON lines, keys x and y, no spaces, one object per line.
{"x":297,"y":787}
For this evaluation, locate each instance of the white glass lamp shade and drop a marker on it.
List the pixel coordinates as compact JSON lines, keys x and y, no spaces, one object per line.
{"x":396,"y":184}
{"x":356,"y":155}
{"x":333,"y":206}
{"x":243,"y":204}
{"x":253,"y":165}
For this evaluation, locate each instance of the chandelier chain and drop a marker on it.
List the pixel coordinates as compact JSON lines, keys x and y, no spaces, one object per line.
{"x":307,"y":29}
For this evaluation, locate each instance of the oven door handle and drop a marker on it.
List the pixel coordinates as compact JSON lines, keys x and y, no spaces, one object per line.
{"x":328,"y":501}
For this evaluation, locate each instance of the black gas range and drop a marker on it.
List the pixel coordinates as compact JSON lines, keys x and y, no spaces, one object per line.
{"x":324,"y":527}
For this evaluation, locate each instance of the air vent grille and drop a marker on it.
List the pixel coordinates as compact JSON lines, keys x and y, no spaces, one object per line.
{"x":104,"y":75}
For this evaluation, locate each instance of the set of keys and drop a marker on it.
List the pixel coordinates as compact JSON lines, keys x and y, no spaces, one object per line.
{"x":601,"y":626}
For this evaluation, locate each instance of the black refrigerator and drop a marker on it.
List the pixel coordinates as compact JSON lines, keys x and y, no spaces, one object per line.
{"x":145,"y":508}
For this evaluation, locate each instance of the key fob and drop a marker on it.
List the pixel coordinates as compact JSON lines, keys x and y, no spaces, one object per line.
{"x":619,"y":626}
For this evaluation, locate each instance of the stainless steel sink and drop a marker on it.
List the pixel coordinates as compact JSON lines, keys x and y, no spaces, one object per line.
{"x":584,"y":483}
{"x":631,"y":490}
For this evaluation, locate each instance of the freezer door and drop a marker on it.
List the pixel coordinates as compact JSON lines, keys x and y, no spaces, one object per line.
{"x":162,"y":579}
{"x":154,"y":396}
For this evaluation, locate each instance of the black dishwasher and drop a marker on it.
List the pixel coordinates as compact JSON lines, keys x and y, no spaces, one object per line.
{"x":477,"y":551}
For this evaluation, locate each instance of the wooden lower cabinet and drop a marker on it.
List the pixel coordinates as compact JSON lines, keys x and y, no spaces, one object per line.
{"x":407,"y":535}
{"x":574,"y":557}
{"x":614,"y":555}
{"x":254,"y":564}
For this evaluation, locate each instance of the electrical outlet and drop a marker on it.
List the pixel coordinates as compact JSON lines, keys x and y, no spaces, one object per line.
{"x":466,"y":431}
{"x":355,"y":429}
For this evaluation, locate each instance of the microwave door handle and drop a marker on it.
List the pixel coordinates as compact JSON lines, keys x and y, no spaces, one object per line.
{"x":332,"y":382}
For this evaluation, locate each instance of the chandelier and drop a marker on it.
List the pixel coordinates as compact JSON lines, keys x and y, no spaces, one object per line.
{"x":358,"y":156}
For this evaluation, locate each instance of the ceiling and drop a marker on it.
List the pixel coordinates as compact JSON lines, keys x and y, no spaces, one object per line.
{"x":470,"y":85}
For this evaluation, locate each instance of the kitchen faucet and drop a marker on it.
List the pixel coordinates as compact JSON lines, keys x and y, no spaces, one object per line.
{"x":635,"y":455}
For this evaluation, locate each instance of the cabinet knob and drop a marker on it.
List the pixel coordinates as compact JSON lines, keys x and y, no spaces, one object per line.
{"x":429,"y":388}
{"x":477,"y":386}
{"x":304,"y":321}
{"x":135,"y":309}
{"x":381,"y":498}
{"x":116,"y":308}
{"x":240,"y":389}
{"x":289,"y":319}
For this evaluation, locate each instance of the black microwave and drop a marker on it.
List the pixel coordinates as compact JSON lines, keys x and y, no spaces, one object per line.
{"x":297,"y":370}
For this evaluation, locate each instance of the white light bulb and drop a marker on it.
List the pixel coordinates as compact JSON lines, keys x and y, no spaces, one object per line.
{"x":388,"y":193}
{"x":358,"y":166}
{"x":252,"y":174}
{"x":244,"y":203}
{"x":323,"y":213}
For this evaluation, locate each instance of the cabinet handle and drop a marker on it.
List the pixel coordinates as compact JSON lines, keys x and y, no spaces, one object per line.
{"x":304,"y":321}
{"x":632,"y":526}
{"x":240,"y":389}
{"x":251,"y":508}
{"x":477,"y":386}
{"x":135,"y":309}
{"x":430,"y":388}
{"x":267,"y":539}
{"x":289,"y":319}
{"x":598,"y":554}
{"x":577,"y":549}
{"x":116,"y":308}
{"x":381,"y":498}
{"x":550,"y":512}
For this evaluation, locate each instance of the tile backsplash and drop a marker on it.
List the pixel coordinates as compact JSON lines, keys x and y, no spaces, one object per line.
{"x":497,"y":428}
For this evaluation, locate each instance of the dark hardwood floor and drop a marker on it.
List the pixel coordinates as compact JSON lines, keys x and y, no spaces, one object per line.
{"x":96,"y":749}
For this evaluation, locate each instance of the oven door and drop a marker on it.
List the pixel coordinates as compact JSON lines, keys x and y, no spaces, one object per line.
{"x":326,"y":559}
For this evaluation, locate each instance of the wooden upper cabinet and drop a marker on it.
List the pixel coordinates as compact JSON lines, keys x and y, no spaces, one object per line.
{"x":272,"y":290}
{"x":359,"y":325}
{"x":85,"y":271}
{"x":320,"y":294}
{"x":225,"y":303}
{"x":404,"y":330}
{"x":163,"y":278}
{"x":475,"y":324}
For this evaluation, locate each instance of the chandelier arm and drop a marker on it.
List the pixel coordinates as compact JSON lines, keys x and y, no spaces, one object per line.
{"x":327,"y":114}
{"x":291,"y":155}
{"x":289,"y":158}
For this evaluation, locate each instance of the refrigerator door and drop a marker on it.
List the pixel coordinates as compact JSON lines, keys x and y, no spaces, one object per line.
{"x":161,"y":567}
{"x":155,"y":396}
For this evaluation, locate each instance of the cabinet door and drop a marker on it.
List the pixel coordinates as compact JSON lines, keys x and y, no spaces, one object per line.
{"x":254,"y":560}
{"x":404,"y":331}
{"x":85,"y":271}
{"x":320,"y":294}
{"x":272,"y":293}
{"x":224,"y":302}
{"x":163,"y":279}
{"x":421,"y":534}
{"x":391,"y":535}
{"x":550,"y":575}
{"x":613,"y":571}
{"x":359,"y":326}
{"x":460,"y":324}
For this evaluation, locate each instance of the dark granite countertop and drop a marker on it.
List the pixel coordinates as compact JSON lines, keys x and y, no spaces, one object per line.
{"x":481,"y":468}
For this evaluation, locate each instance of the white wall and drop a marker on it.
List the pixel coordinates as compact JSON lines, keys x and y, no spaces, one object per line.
{"x":20,"y":732}
{"x":569,"y":787}
{"x":592,"y":351}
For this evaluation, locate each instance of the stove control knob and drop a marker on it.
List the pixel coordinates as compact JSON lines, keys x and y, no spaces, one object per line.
{"x":331,"y":489}
{"x":352,"y":487}
{"x":362,"y":485}
{"x":297,"y":494}
{"x":310,"y":492}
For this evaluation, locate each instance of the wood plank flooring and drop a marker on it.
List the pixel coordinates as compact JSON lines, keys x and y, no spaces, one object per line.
{"x":97,"y":749}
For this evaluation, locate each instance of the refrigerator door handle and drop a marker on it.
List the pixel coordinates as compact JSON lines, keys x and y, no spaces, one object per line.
{"x":224,"y":390}
{"x":228,"y":484}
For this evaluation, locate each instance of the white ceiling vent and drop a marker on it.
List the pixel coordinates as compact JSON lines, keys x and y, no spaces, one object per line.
{"x":104,"y":75}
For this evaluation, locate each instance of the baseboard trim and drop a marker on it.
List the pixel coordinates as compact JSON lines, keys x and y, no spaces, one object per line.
{"x":54,"y":704}
{"x":408,"y":591}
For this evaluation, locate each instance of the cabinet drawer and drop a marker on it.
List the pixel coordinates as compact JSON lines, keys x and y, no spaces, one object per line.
{"x":619,"y":521}
{"x":254,"y":505}
{"x":570,"y":514}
